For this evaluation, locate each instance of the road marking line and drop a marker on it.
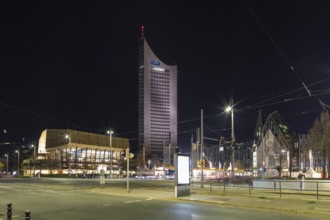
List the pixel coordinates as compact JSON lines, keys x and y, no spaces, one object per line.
{"x":107,"y":204}
{"x":138,"y":200}
{"x":129,"y":202}
{"x":148,"y":199}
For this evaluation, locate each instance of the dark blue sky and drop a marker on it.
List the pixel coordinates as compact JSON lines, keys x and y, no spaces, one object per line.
{"x":74,"y":65}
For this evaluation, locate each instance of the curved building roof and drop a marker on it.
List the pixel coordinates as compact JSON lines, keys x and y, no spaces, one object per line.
{"x":53,"y":138}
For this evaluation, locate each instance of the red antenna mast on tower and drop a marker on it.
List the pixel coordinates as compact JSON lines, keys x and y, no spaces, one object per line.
{"x":142,"y":31}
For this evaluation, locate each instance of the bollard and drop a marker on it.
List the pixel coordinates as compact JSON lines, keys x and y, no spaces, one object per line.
{"x":9,"y":210}
{"x":27,"y":215}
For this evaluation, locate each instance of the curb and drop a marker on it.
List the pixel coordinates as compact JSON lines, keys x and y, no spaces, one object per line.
{"x":256,"y":207}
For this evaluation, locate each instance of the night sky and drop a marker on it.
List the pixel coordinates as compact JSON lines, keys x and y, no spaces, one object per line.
{"x":75,"y":64}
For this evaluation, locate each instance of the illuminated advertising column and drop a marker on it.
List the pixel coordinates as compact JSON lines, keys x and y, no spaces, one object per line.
{"x":182,"y":175}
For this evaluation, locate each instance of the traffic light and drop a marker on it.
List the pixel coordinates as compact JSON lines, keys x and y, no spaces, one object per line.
{"x":131,"y":156}
{"x":222,"y":141}
{"x":205,"y":163}
{"x":199,"y":164}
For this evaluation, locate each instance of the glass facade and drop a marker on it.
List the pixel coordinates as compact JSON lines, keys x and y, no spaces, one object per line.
{"x":77,"y":152}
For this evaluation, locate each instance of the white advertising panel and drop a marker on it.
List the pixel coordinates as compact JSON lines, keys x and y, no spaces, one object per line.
{"x":183,"y":169}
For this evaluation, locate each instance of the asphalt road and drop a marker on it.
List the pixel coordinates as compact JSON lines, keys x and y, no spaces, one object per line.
{"x":70,"y":199}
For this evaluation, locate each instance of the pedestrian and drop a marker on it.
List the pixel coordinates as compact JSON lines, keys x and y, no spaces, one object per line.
{"x":102,"y":178}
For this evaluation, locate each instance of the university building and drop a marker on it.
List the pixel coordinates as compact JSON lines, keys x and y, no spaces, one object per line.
{"x":157,"y":111}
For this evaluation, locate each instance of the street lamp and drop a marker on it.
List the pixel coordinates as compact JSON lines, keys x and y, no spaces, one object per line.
{"x":110,"y":132}
{"x":282,"y":152}
{"x":6,"y":155}
{"x":231,"y":110}
{"x":68,"y":137}
{"x":17,"y":151}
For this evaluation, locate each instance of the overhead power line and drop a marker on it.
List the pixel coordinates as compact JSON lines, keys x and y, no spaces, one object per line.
{"x":324,"y":106}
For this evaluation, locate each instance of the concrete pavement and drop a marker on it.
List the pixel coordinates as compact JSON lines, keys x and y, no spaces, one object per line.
{"x":295,"y":203}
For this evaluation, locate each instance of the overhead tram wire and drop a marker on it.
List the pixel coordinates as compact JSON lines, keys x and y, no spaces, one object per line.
{"x":212,"y":130}
{"x":324,"y":106}
{"x":274,"y":103}
{"x":254,"y":106}
{"x":251,"y":108}
{"x":180,"y":122}
{"x":264,"y":104}
{"x":45,"y":117}
{"x":187,"y":130}
{"x":57,"y":120}
{"x":37,"y":114}
{"x":289,"y":92}
{"x":261,"y":103}
{"x":258,"y":105}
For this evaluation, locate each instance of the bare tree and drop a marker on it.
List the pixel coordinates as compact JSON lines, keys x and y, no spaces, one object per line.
{"x":319,"y":138}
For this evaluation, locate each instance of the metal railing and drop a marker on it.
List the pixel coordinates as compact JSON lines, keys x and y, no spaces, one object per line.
{"x":315,"y":188}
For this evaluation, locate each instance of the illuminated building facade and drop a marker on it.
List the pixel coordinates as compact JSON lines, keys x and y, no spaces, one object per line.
{"x":63,"y":151}
{"x":157,"y":103}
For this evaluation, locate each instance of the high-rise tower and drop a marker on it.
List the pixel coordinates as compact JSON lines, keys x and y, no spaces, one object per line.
{"x":157,"y":104}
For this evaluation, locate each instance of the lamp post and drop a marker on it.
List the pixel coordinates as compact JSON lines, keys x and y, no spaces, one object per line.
{"x":231,"y":110}
{"x":34,"y":159}
{"x":6,"y":155}
{"x":68,"y":137}
{"x":202,"y":148}
{"x":280,"y":173}
{"x":110,"y":132}
{"x":17,"y":151}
